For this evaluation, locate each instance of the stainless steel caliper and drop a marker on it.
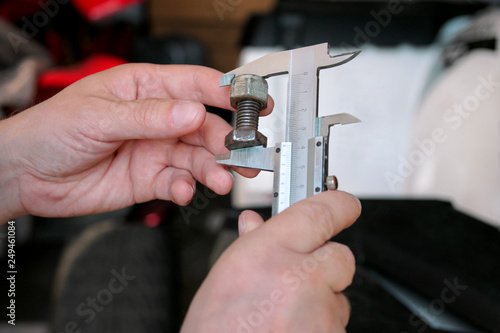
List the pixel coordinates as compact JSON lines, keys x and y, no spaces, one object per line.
{"x":300,"y":163}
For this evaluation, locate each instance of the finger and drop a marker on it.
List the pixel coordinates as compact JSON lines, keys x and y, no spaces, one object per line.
{"x":182,"y":82}
{"x":175,"y":185}
{"x":337,"y":265}
{"x":248,"y":173}
{"x":202,"y":165}
{"x":165,"y":119}
{"x":211,"y":136}
{"x":308,"y":224}
{"x":344,"y":307}
{"x":182,"y":190}
{"x":106,"y":120}
{"x":335,"y":315}
{"x":248,"y":221}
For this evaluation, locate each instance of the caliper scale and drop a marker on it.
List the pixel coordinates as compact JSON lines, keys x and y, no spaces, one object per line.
{"x":300,"y":163}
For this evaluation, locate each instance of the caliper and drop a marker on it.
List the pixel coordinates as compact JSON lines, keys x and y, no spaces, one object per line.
{"x":300,"y":162}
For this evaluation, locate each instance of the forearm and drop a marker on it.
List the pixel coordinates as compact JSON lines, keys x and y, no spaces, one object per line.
{"x":10,"y":203}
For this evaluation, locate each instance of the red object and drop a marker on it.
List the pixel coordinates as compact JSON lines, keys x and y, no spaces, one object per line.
{"x":95,"y":10}
{"x":152,"y":220}
{"x":14,"y":10}
{"x":54,"y":80}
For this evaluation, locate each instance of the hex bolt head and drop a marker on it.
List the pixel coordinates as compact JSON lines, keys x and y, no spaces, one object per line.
{"x":237,"y":139}
{"x":248,"y":86}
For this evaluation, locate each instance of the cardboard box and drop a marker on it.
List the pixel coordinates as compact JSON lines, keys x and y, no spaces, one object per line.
{"x":218,"y":24}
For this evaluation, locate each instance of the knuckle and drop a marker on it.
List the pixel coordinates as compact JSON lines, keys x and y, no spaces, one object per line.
{"x":145,"y":112}
{"x":93,"y":123}
{"x":322,"y":217}
{"x":347,"y":258}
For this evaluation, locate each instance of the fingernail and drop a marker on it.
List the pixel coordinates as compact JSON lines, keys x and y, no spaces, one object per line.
{"x":193,"y":190}
{"x":184,"y":113}
{"x":358,"y":203}
{"x":242,"y":223}
{"x":231,"y":176}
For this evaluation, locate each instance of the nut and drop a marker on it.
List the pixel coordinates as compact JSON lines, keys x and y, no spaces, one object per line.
{"x":249,"y":86}
{"x":237,"y":139}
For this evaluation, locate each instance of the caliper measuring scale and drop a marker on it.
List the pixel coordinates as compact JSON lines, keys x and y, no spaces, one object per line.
{"x":300,"y":162}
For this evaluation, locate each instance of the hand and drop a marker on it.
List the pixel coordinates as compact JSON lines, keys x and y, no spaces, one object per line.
{"x":127,"y":135}
{"x":282,"y":275}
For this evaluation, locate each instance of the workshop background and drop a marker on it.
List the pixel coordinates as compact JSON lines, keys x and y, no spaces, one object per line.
{"x":427,"y":243}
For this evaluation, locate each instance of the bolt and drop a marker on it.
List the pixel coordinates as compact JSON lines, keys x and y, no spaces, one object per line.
{"x":248,"y":97}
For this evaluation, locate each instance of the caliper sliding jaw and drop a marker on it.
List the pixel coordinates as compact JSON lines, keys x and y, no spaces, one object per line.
{"x":300,"y":163}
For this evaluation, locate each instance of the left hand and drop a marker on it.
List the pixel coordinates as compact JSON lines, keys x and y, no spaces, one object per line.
{"x":282,"y":275}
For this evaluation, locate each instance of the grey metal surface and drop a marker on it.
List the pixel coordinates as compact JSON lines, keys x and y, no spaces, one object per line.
{"x":305,"y":163}
{"x":253,"y":158}
{"x":324,"y":123}
{"x":316,"y":168}
{"x":244,"y":138}
{"x":249,"y":96}
{"x":280,"y":62}
{"x":248,"y":86}
{"x":332,"y":183}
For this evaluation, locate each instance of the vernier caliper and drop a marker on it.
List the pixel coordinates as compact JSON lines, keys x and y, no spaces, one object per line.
{"x":300,"y":163}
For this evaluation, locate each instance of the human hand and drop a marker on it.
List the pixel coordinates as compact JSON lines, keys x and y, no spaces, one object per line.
{"x":127,"y":135}
{"x":282,"y":275}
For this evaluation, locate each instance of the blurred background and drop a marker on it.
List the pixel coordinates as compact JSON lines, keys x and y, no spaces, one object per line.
{"x":425,"y":160}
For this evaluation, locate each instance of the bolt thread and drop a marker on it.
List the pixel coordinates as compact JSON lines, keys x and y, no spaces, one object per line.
{"x":247,"y":116}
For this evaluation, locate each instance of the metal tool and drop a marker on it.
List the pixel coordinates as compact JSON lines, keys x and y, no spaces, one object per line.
{"x":300,"y":163}
{"x":249,"y":97}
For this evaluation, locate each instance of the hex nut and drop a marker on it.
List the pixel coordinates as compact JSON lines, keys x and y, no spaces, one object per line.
{"x":237,"y":139}
{"x":248,"y":86}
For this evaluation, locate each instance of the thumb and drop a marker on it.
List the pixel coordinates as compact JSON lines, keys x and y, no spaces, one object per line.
{"x":150,"y":119}
{"x":248,"y":221}
{"x":308,"y":224}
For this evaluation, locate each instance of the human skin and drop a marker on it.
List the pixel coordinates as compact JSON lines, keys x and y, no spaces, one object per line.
{"x":128,"y":135}
{"x":140,"y":132}
{"x":282,"y":275}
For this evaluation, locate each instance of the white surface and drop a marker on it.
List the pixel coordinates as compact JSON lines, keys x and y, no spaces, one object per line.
{"x":464,"y":166}
{"x":382,"y":87}
{"x":412,"y":141}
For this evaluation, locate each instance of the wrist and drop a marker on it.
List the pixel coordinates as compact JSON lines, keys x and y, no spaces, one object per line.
{"x":10,"y":203}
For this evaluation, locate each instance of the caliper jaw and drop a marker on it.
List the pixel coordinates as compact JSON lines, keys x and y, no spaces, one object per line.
{"x":317,"y":174}
{"x":300,"y":163}
{"x":259,"y":158}
{"x":279,"y":63}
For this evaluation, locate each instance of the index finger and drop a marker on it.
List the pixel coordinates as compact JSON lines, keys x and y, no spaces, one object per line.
{"x":308,"y":224}
{"x":180,"y":82}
